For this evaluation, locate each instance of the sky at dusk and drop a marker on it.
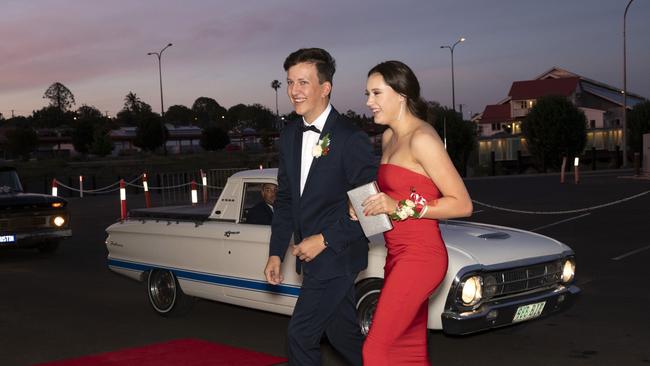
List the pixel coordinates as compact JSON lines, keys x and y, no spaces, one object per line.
{"x":232,"y":50}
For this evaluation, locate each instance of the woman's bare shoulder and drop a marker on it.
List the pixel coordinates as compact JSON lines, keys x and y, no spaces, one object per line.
{"x":425,"y":134}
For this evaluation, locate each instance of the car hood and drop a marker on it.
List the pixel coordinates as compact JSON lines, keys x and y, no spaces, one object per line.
{"x":20,"y":201}
{"x":491,"y":244}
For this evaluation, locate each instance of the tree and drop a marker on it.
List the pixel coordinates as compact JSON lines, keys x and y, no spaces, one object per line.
{"x":207,"y":110}
{"x":638,"y":124}
{"x":134,"y":111}
{"x":275,"y":84}
{"x":214,"y":138}
{"x":132,"y":103}
{"x":461,"y":134}
{"x":60,"y":97}
{"x":102,"y":144}
{"x":82,"y":135}
{"x":151,"y":133}
{"x":179,"y":114}
{"x":254,"y":116}
{"x":51,"y":117}
{"x":88,"y":120}
{"x":21,"y":141}
{"x":554,"y":128}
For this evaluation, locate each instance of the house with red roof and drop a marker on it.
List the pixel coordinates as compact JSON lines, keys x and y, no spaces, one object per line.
{"x":499,"y":125}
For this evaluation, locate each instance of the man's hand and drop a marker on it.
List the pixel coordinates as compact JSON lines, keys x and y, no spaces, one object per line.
{"x":352,"y":212}
{"x":272,"y":270}
{"x":309,"y":248}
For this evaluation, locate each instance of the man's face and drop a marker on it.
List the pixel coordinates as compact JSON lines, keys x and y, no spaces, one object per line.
{"x":269,"y":192}
{"x":308,"y":96}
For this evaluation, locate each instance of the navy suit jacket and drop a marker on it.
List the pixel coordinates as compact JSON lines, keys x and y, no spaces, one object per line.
{"x":323,"y":206}
{"x":260,"y":214}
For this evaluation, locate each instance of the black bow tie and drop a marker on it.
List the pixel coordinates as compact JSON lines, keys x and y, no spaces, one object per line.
{"x":306,"y":128}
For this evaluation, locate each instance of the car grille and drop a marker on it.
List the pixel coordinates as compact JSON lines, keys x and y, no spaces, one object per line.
{"x":523,"y":279}
{"x":23,"y":223}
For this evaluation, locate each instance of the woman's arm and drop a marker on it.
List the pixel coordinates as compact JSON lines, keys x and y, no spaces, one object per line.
{"x":428,"y":150}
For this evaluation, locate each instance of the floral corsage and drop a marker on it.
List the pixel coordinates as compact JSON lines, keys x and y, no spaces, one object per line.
{"x":415,"y":206}
{"x":322,"y":148}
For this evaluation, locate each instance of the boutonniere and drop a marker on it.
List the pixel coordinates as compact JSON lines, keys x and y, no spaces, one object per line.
{"x":322,"y":148}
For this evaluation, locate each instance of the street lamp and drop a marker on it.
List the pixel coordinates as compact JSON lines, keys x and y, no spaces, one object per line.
{"x":625,"y":90}
{"x":159,"y":55}
{"x":453,"y":92}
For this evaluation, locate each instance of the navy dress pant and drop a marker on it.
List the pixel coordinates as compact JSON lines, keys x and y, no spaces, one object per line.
{"x":325,"y":307}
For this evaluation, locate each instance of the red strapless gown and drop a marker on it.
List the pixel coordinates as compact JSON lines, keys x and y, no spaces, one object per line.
{"x":415,"y":265}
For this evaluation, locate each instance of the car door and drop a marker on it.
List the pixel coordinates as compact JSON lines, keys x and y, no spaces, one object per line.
{"x":247,"y":248}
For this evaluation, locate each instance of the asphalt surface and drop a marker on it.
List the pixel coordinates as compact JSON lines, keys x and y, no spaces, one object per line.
{"x":69,"y":304}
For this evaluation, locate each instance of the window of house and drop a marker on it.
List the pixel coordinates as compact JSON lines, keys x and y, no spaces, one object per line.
{"x":617,"y":122}
{"x":523,"y":104}
{"x":592,"y":123}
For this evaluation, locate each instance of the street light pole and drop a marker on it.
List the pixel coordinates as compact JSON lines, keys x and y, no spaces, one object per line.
{"x":159,"y":55}
{"x":625,"y":90}
{"x":162,"y":106}
{"x":453,"y":91}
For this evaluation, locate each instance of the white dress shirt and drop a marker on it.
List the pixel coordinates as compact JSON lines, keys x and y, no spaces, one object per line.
{"x":309,"y":140}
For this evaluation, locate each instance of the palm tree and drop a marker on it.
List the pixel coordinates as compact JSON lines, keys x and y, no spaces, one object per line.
{"x":132,"y":102}
{"x":275,"y":84}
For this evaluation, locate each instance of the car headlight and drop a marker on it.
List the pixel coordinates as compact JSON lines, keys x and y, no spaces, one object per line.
{"x":59,"y":221}
{"x":472,"y":290}
{"x":568,"y":271}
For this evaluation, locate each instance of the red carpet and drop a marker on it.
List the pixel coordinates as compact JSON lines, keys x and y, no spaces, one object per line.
{"x":183,"y":352}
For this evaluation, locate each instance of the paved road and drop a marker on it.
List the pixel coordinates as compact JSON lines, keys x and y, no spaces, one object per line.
{"x":69,"y":304}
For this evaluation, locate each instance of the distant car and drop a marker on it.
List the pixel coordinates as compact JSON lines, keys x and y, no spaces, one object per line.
{"x":30,"y":220}
{"x":496,"y":276}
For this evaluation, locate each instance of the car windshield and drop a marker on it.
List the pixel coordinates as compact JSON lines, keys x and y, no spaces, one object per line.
{"x":9,"y":182}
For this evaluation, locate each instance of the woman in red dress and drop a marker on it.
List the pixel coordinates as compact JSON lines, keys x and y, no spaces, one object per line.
{"x":419,"y":186}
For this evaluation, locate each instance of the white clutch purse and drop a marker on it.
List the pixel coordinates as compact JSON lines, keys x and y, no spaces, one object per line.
{"x":371,"y":225}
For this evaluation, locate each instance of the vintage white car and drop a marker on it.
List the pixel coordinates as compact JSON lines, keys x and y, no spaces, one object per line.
{"x":497,"y":276}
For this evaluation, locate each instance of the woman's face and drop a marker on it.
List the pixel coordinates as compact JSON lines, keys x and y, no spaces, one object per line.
{"x":385,"y":103}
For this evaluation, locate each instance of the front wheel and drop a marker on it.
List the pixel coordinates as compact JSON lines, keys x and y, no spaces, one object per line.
{"x":367,"y":293}
{"x":165,"y":295}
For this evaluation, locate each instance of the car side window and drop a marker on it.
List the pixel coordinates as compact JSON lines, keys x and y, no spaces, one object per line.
{"x":257,"y":206}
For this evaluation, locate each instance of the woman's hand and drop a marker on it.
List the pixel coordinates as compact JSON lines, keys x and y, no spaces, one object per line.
{"x":379,"y":203}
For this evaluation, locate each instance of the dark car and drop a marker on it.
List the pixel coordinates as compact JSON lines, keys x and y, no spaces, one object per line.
{"x":30,"y":220}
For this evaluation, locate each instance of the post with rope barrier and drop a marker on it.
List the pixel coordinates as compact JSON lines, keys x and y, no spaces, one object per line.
{"x":195,"y":199}
{"x":576,"y":170}
{"x":81,"y":186}
{"x":563,"y":169}
{"x":122,"y":200}
{"x":204,"y":180}
{"x":147,"y":195}
{"x":55,"y":188}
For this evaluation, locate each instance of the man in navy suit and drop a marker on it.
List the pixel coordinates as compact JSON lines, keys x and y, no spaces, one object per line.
{"x":322,"y":156}
{"x":262,"y":213}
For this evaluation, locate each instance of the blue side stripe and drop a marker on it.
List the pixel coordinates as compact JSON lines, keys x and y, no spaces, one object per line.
{"x":235,"y":282}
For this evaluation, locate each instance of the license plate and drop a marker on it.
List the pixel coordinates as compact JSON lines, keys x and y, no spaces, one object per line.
{"x":7,"y":239}
{"x":527,"y":312}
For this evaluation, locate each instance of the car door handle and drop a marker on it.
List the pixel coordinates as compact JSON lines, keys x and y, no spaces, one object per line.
{"x":228,"y":233}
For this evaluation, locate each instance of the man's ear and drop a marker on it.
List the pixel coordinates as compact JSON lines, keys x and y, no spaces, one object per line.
{"x":327,"y":88}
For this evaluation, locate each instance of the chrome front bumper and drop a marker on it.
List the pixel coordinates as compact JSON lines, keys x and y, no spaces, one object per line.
{"x":501,"y":313}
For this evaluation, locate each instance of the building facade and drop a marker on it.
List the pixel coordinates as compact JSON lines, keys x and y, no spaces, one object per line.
{"x":499,"y":126}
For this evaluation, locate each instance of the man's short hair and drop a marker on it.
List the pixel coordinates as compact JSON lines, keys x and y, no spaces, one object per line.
{"x":325,"y":64}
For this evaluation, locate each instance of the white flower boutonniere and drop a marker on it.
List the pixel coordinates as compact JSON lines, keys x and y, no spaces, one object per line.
{"x":322,"y":148}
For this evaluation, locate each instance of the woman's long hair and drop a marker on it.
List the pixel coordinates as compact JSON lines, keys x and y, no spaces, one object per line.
{"x":401,"y":78}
